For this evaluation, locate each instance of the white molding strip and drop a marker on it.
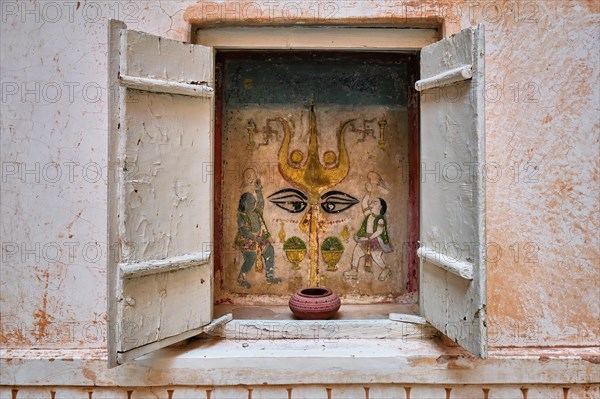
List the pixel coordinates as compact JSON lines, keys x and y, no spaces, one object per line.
{"x":445,"y":78}
{"x":313,"y":37}
{"x":454,"y":266}
{"x":148,"y":267}
{"x":166,"y":86}
{"x":332,"y":330}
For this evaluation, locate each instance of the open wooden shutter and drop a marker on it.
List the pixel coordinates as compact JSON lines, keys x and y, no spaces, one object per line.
{"x":160,"y":195}
{"x":452,"y":249}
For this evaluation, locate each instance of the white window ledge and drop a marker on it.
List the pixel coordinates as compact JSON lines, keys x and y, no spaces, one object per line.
{"x":216,"y":362}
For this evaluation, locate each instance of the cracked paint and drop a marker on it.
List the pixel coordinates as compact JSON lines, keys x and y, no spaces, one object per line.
{"x":541,"y":109}
{"x":41,"y":318}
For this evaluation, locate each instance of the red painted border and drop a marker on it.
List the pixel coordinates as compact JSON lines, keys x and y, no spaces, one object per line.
{"x":218,"y":172}
{"x":414,"y":160}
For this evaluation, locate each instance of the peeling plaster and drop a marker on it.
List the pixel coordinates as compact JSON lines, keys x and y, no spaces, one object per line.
{"x":552,"y":61}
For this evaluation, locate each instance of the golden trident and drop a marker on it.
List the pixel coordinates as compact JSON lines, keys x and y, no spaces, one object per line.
{"x":313,"y":178}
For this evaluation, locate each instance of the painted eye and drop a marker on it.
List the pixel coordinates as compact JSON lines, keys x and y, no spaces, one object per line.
{"x":289,"y":199}
{"x":337,"y":201}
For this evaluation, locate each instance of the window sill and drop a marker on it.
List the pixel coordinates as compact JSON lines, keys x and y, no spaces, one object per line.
{"x":216,"y":362}
{"x":346,"y":312}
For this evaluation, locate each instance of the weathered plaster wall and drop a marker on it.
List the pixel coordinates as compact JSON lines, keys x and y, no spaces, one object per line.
{"x":54,"y":157}
{"x":542,"y":126}
{"x":544,"y":210}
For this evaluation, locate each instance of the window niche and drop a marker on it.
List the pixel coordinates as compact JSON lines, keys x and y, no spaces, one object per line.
{"x":315,"y":155}
{"x":162,"y":294}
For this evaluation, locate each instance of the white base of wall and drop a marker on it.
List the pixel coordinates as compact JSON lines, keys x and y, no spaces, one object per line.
{"x":263,"y":363}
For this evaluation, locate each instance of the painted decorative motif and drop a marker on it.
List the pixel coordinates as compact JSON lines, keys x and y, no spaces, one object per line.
{"x":331,"y":251}
{"x":372,"y":239}
{"x":345,"y":234}
{"x":295,"y":251}
{"x":312,"y":147}
{"x":337,"y":201}
{"x":281,"y":232}
{"x":312,"y":177}
{"x":381,"y":143}
{"x":290,"y":200}
{"x":253,"y":237}
{"x":251,"y":128}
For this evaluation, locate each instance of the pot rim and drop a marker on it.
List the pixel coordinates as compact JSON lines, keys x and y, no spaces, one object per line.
{"x":326,"y":292}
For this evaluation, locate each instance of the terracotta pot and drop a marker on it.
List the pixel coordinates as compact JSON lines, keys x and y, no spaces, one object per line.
{"x":315,"y":303}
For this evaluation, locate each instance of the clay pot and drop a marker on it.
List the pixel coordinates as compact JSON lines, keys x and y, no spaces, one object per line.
{"x":315,"y":303}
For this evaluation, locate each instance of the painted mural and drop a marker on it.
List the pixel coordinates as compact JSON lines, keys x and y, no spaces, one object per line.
{"x":314,"y":175}
{"x":372,"y":239}
{"x":253,"y":238}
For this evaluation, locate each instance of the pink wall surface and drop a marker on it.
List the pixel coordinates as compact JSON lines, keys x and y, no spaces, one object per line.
{"x":542,"y":124}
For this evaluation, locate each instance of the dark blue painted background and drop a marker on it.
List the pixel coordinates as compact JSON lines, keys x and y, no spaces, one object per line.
{"x":298,"y":79}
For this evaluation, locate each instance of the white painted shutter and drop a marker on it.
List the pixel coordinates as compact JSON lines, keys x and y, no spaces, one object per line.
{"x":160,"y":195}
{"x":452,"y":249}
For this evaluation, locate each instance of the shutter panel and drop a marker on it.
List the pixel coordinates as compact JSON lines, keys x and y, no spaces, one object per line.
{"x":452,"y":249}
{"x":160,"y":197}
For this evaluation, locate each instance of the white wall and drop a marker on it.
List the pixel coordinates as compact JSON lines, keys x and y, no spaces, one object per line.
{"x":54,"y":157}
{"x":53,"y":72}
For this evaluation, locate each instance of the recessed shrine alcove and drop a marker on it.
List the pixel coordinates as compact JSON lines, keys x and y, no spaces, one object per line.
{"x":314,"y":179}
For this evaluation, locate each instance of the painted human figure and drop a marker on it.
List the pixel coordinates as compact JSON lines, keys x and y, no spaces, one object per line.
{"x":372,"y":239}
{"x":253,"y":238}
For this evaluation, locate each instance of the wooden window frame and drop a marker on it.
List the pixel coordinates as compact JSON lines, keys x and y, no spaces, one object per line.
{"x":458,"y":59}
